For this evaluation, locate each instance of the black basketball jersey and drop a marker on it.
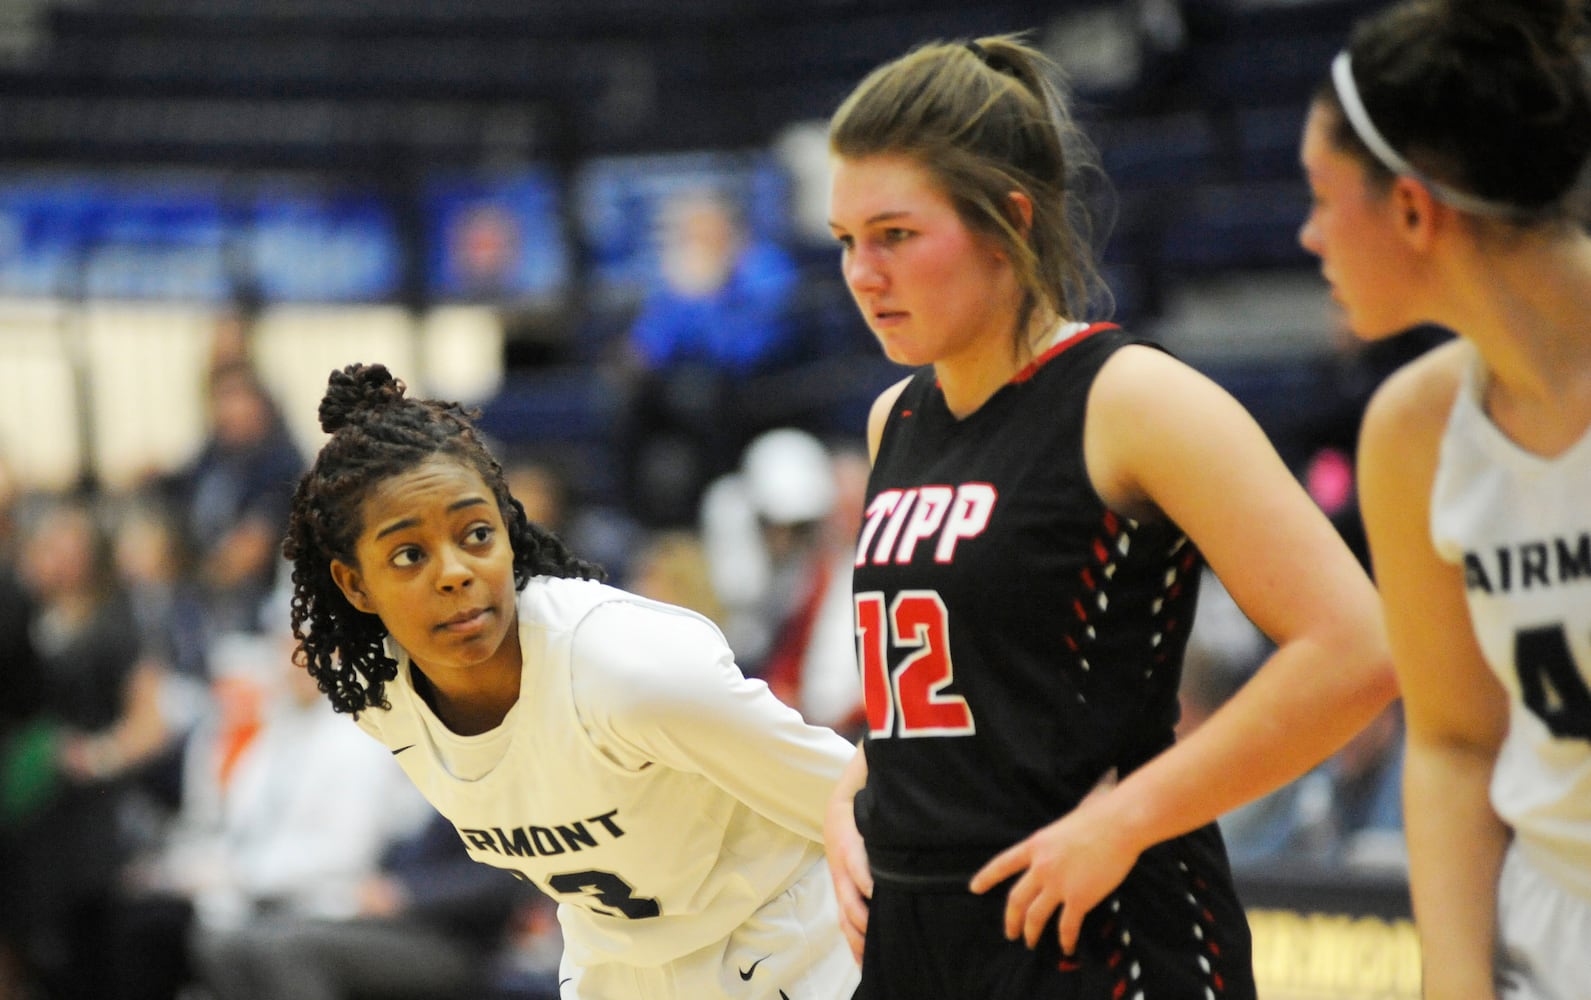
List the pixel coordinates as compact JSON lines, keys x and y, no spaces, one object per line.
{"x":1017,"y":638}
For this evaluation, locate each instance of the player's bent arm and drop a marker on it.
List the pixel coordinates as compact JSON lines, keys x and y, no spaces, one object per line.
{"x":1455,"y":708}
{"x":661,"y":686}
{"x":847,"y":855}
{"x":1160,"y":437}
{"x":1162,"y":440}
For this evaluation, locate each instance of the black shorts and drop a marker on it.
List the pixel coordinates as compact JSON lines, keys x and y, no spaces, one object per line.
{"x":1173,"y":929}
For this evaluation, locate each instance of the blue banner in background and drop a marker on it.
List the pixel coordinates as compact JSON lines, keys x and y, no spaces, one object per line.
{"x":495,"y":238}
{"x":489,"y":237}
{"x":72,"y":237}
{"x":304,"y":246}
{"x":42,"y":226}
{"x":619,"y":201}
{"x":153,"y":243}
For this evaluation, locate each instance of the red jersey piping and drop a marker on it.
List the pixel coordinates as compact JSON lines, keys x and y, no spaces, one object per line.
{"x":1043,"y":359}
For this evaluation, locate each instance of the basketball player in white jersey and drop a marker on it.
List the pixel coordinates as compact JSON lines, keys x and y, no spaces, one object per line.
{"x":600,"y":745}
{"x":1447,"y":156}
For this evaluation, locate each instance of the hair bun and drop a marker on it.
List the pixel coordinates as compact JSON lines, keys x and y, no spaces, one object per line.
{"x":356,"y":389}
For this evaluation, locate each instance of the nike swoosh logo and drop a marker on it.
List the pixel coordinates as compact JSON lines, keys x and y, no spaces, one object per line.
{"x":746,"y":974}
{"x":783,"y":995}
{"x":401,"y":749}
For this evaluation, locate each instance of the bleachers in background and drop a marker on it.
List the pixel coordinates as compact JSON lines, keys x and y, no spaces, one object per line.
{"x":614,"y":76}
{"x":434,"y":110}
{"x":592,"y":77}
{"x":356,"y":165}
{"x":387,"y":94}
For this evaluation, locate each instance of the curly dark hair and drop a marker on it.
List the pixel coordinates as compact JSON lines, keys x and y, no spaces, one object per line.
{"x":377,"y":433}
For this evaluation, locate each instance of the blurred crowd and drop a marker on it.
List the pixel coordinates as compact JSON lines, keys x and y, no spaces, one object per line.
{"x":182,"y":815}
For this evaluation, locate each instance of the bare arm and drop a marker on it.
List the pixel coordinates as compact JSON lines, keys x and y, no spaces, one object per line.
{"x":853,"y":879}
{"x":1163,"y":439}
{"x":1456,"y":709}
{"x":847,"y":854}
{"x":878,"y":415}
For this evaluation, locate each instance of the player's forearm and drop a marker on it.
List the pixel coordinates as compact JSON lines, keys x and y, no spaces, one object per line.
{"x":1305,"y":703}
{"x":851,"y":781}
{"x":1456,"y":845}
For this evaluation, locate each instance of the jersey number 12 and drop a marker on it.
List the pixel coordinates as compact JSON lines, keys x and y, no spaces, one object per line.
{"x":914,"y":691}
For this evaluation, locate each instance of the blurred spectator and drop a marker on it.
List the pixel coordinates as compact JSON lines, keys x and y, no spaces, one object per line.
{"x":286,"y":810}
{"x":722,"y":313}
{"x":101,"y":721}
{"x":232,"y":499}
{"x":672,"y":567}
{"x":155,"y":909}
{"x":428,"y":926}
{"x":25,"y":771}
{"x":758,"y":525}
{"x":603,"y":535}
{"x":528,"y":968}
{"x":1224,"y":649}
{"x":232,"y":337}
{"x":152,"y":568}
{"x":1367,"y":779}
{"x":812,"y":663}
{"x":1347,"y":812}
{"x":780,"y":537}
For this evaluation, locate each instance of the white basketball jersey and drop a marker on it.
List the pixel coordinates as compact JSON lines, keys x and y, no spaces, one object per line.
{"x":641,"y":779}
{"x":1520,"y":527}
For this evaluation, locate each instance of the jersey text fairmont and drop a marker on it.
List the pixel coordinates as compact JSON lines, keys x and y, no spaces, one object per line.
{"x":1529,"y":564}
{"x":530,"y":841}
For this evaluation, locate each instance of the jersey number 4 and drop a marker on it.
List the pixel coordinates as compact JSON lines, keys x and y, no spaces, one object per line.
{"x":1552,"y":686}
{"x":913,"y":692}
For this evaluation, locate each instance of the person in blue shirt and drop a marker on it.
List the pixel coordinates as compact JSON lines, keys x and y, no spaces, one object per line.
{"x":723,"y":296}
{"x":719,"y":315}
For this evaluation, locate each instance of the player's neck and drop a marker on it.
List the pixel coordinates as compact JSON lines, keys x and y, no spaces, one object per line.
{"x":971,"y":377}
{"x":476,"y":699}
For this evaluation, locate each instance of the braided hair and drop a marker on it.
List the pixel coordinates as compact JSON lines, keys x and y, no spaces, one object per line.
{"x":377,"y":433}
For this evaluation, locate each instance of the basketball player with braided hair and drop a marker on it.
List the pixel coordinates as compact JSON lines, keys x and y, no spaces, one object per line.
{"x":600,"y":745}
{"x":1449,"y":151}
{"x":1045,"y":492}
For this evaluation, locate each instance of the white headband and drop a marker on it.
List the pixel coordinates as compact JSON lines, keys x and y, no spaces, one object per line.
{"x":1359,"y":118}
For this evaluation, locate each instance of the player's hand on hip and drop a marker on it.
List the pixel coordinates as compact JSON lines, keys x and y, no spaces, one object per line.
{"x":1071,"y":864}
{"x":848,"y":868}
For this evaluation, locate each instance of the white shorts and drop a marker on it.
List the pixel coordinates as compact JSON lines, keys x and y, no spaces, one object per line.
{"x":1544,"y":935}
{"x":790,"y":949}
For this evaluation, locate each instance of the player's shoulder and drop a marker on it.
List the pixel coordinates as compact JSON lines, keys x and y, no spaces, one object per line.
{"x":878,"y":416}
{"x":1414,"y":401}
{"x":1400,"y":438}
{"x":641,"y":644}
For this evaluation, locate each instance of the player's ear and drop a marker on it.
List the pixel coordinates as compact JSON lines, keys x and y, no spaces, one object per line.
{"x":1417,"y":210}
{"x":352,"y":585}
{"x":1019,"y":209}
